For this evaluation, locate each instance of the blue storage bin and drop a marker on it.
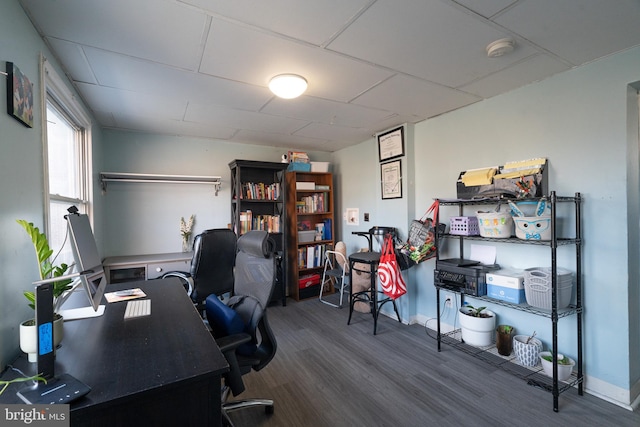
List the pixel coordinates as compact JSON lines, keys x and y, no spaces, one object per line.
{"x":299,"y":167}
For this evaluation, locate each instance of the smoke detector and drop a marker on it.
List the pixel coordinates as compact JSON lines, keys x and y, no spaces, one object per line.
{"x":500,"y":47}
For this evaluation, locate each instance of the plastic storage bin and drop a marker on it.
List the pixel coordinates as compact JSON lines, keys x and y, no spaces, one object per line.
{"x":538,"y":287}
{"x":464,"y":225}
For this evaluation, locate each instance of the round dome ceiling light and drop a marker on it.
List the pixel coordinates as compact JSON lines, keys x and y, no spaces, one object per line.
{"x":500,"y":47}
{"x":288,"y":86}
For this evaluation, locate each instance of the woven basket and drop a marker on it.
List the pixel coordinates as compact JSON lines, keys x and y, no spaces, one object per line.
{"x":495,"y":224}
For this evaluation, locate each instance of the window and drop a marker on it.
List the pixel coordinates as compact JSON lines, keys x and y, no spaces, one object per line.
{"x":67,"y":160}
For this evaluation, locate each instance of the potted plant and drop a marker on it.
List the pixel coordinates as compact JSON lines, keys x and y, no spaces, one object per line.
{"x":527,"y":349}
{"x":565,"y":365}
{"x":504,"y":336}
{"x":478,"y":325}
{"x":28,"y":336}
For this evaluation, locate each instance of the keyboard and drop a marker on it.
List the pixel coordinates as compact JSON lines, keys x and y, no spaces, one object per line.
{"x":137,"y":308}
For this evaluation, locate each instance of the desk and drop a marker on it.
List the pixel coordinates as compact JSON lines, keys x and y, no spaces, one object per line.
{"x":162,"y":370}
{"x":119,"y":269}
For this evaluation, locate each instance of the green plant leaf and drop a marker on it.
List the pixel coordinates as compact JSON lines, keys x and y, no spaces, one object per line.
{"x":46,"y":268}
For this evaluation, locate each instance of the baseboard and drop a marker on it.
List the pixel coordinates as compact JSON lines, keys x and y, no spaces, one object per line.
{"x":431,"y":323}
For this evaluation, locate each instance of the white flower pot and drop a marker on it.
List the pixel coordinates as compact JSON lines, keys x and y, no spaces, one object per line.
{"x":527,"y":353}
{"x":564,"y":371}
{"x":477,"y":331}
{"x":29,"y":337}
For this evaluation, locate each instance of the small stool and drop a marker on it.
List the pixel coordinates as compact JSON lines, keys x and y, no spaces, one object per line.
{"x":370,"y":296}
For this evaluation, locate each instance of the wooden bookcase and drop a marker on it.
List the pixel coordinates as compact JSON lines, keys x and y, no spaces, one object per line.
{"x":307,"y":207}
{"x":258,"y":198}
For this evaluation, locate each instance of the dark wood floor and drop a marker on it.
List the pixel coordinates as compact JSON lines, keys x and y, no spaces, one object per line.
{"x":327,"y":373}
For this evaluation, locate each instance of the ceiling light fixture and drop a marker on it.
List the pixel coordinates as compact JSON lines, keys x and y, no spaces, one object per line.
{"x":500,"y":47}
{"x":288,"y":86}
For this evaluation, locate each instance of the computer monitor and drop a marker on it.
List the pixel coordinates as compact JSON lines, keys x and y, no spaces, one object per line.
{"x":85,"y":253}
{"x":89,"y":270}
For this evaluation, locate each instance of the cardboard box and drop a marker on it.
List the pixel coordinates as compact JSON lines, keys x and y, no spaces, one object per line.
{"x":308,"y":280}
{"x":305,"y":185}
{"x":513,"y":279}
{"x":512,"y":295}
{"x":506,"y":285}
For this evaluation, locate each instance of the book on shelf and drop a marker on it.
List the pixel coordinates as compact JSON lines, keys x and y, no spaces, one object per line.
{"x":261,"y":191}
{"x":313,"y":203}
{"x":251,"y":221}
{"x":327,"y":229}
{"x":312,"y":256}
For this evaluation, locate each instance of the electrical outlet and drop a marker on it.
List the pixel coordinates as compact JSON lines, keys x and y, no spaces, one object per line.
{"x":448,"y":303}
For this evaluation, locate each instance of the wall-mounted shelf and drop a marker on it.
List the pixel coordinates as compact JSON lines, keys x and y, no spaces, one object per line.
{"x":105,"y":177}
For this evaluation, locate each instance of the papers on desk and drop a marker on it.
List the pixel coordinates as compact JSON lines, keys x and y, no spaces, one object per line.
{"x":124,"y":295}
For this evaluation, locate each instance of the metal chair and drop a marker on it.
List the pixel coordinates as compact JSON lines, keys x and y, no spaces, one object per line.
{"x":336,"y":270}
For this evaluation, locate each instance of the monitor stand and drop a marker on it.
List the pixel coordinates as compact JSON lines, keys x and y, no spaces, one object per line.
{"x":81,"y":313}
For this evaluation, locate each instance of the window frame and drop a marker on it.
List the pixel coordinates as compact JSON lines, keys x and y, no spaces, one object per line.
{"x":55,"y":89}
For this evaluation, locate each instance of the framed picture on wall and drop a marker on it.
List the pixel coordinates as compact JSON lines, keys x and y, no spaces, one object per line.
{"x":19,"y":95}
{"x":391,"y":144}
{"x":391,"y":174}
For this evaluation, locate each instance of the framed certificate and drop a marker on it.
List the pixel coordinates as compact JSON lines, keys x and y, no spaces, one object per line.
{"x":391,"y":144}
{"x":391,"y":174}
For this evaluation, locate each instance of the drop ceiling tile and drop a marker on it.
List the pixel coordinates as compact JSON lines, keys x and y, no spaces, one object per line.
{"x":242,"y":119}
{"x":437,"y":42}
{"x":158,"y":125}
{"x":486,"y":8}
{"x":324,"y":111}
{"x":170,"y":34}
{"x":125,"y":102}
{"x":280,"y":140}
{"x":255,"y":57}
{"x":535,"y":68}
{"x":74,"y":60}
{"x":410,"y":96}
{"x":577,"y":30}
{"x":124,"y":72}
{"x":312,"y":21}
{"x":334,"y":133}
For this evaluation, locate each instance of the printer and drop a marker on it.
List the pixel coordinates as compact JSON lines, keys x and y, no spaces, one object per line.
{"x":462,"y":275}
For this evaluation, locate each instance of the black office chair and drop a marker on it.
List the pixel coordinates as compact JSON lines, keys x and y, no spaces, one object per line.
{"x":212,"y":264}
{"x":240,"y":326}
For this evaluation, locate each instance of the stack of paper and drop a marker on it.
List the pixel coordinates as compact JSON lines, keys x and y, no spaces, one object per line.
{"x":521,"y":168}
{"x":481,"y":176}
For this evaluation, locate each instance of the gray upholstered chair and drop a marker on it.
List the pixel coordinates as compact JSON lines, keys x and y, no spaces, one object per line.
{"x":240,"y":325}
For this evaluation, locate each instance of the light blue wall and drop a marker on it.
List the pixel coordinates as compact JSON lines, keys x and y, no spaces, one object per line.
{"x":578,"y":120}
{"x":144,"y":218}
{"x":21,"y":177}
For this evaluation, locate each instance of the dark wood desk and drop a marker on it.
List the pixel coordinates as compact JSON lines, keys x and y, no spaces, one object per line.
{"x":162,"y":370}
